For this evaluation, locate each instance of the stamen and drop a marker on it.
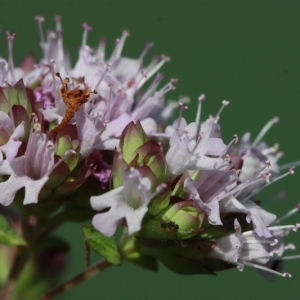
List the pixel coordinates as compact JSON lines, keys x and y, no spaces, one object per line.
{"x":292,"y":164}
{"x":168,"y":87}
{"x":268,"y":183}
{"x":10,"y":38}
{"x":86,"y":29}
{"x":146,"y":49}
{"x":152,"y":71}
{"x":182,"y":107}
{"x":44,"y":159}
{"x":234,"y":140}
{"x":273,"y":228}
{"x":238,"y":189}
{"x":104,"y":124}
{"x":271,"y":150}
{"x":251,"y":179}
{"x":289,"y":257}
{"x":290,"y":172}
{"x":54,"y":88}
{"x":265,"y":130}
{"x":158,"y":78}
{"x":40,"y":20}
{"x":217,"y":117}
{"x":142,"y":77}
{"x":216,"y":175}
{"x":268,"y":270}
{"x":119,"y":45}
{"x":67,"y":154}
{"x":33,"y":170}
{"x":197,"y":142}
{"x":106,"y":67}
{"x":219,"y":190}
{"x":60,"y":52}
{"x":100,"y":52}
{"x":261,"y":241}
{"x":109,"y":100}
{"x":198,"y":115}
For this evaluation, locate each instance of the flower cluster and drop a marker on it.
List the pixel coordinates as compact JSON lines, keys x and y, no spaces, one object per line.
{"x":92,"y":138}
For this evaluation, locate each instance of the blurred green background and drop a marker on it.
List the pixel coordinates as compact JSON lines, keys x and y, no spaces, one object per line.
{"x":246,"y":52}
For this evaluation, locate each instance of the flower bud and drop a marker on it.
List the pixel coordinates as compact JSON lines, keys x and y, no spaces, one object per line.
{"x":179,"y":221}
{"x":184,"y":217}
{"x":133,"y":136}
{"x":150,"y":154}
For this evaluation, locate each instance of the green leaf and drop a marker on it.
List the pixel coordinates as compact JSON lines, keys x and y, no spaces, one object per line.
{"x":103,"y":245}
{"x":8,"y":236}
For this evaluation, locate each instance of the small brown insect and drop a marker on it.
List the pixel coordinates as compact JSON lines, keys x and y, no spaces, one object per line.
{"x":73,"y":99}
{"x":172,"y":226}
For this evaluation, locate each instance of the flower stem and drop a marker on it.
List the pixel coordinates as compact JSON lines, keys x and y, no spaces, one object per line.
{"x":85,"y":275}
{"x":17,"y":267}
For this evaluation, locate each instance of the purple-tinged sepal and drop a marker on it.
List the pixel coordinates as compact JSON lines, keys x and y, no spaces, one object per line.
{"x":132,"y":138}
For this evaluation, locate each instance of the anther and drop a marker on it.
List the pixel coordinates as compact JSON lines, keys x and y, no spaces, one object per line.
{"x":266,"y":177}
{"x":275,"y":242}
{"x":296,"y":227}
{"x":268,"y":164}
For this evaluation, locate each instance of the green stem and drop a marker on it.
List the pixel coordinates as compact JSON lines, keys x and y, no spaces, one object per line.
{"x":73,"y":282}
{"x":17,"y":267}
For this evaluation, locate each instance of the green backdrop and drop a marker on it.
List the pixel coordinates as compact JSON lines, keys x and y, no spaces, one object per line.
{"x":246,"y":52}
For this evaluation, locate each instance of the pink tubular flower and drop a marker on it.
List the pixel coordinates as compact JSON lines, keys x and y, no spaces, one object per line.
{"x":188,"y":152}
{"x":30,"y":170}
{"x":246,"y":248}
{"x":9,"y":143}
{"x":258,"y":153}
{"x":129,"y":201}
